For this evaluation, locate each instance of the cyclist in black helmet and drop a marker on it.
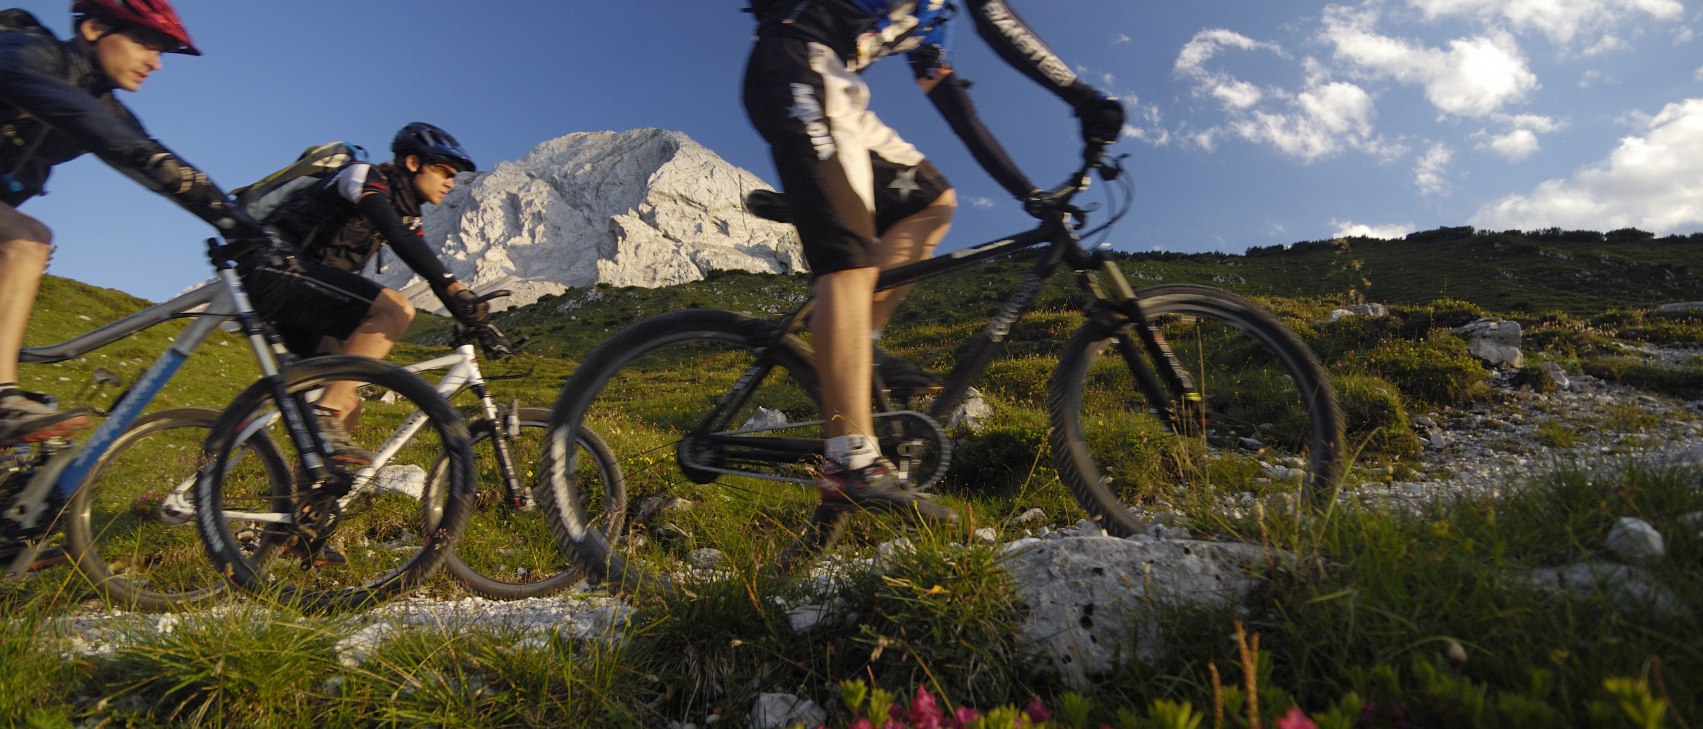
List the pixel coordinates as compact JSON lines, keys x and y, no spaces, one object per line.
{"x":864,"y":199}
{"x":57,"y":102}
{"x":317,"y":297}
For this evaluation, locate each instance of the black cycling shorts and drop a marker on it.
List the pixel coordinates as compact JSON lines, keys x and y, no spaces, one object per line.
{"x":309,"y":306}
{"x":847,"y":176}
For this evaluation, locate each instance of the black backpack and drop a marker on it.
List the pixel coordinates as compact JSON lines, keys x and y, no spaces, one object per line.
{"x":315,"y":163}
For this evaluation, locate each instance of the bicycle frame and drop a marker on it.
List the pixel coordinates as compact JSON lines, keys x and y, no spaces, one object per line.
{"x":463,"y":374}
{"x":57,"y":480}
{"x":1113,"y":304}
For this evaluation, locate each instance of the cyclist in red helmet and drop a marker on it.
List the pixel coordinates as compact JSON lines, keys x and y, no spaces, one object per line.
{"x":57,"y":102}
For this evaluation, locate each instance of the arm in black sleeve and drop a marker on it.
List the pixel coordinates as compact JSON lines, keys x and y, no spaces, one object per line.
{"x":1009,"y":37}
{"x":409,"y":245}
{"x":950,"y":95}
{"x":30,"y":80}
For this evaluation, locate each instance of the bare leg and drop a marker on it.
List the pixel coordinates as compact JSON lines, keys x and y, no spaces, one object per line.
{"x":24,"y":247}
{"x":839,"y":330}
{"x":385,"y":323}
{"x":908,"y":241}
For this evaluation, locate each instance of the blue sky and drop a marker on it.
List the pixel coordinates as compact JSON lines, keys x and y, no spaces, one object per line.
{"x":1251,"y":123}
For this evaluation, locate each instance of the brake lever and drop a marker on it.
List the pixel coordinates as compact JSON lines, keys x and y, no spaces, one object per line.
{"x":1110,"y":168}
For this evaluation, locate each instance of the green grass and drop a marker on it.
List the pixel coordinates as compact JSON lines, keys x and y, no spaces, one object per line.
{"x":1368,"y":615}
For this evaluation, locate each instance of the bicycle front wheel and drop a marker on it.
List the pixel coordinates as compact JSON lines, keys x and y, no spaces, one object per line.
{"x":508,"y":551}
{"x":1261,"y":416}
{"x":712,"y":478}
{"x":127,"y":527}
{"x":369,"y":534}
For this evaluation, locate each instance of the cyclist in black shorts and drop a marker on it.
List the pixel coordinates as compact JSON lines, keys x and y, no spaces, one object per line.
{"x":57,"y":102}
{"x":864,"y":200}
{"x":318,"y":298}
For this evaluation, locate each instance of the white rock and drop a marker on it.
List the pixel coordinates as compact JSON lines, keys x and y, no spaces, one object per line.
{"x":764,"y":418}
{"x":646,"y":207}
{"x":1085,"y":595}
{"x":408,"y":480}
{"x":1634,"y":541}
{"x":1496,"y":341}
{"x":779,"y":711}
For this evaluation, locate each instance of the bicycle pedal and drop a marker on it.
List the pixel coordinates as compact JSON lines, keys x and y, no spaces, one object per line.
{"x":175,"y":509}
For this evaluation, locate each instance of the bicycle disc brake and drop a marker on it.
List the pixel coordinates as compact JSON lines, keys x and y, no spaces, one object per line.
{"x":916,"y":444}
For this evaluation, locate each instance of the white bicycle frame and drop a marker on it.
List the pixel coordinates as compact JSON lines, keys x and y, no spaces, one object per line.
{"x":463,"y":373}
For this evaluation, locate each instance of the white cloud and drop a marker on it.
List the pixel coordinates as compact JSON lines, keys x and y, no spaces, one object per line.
{"x":1320,"y":121}
{"x":1121,"y":39}
{"x":1347,"y":229}
{"x":1514,"y":146}
{"x":1474,"y":76}
{"x":1652,"y":181}
{"x":1699,"y":74}
{"x":1191,"y":61}
{"x":1560,"y":20}
{"x":1146,"y":124}
{"x":982,"y":202}
{"x":1429,"y":172}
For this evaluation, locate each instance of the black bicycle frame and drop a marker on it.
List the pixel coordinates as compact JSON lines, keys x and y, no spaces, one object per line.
{"x":1118,"y":310}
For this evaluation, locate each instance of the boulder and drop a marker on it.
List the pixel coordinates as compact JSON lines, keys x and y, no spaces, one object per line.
{"x":1496,"y":341}
{"x":1087,"y":594}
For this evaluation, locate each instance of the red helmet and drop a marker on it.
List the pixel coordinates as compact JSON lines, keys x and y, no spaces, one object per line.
{"x":154,"y":15}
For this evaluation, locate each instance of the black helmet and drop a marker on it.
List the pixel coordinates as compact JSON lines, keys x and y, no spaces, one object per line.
{"x":431,"y":144}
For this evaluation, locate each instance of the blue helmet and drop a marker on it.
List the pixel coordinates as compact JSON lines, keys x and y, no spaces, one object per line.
{"x":431,"y":144}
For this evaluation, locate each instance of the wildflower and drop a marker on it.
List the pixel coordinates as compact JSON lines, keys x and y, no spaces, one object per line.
{"x":1296,"y":719}
{"x":924,"y":713}
{"x":964,"y":716}
{"x":1037,"y":711}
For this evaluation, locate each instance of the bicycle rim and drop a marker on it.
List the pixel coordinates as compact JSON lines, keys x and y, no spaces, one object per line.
{"x":128,"y":526}
{"x":392,"y":530}
{"x":1267,"y":419}
{"x":646,"y":391}
{"x":508,"y":552}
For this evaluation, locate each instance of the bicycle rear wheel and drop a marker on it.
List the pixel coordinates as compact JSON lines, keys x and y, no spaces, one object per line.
{"x":1266,"y":416}
{"x":649,"y":391}
{"x":393,"y":530}
{"x":127,"y":526}
{"x":509,"y":552}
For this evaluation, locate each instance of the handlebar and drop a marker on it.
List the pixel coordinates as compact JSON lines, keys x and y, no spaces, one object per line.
{"x":1050,"y":204}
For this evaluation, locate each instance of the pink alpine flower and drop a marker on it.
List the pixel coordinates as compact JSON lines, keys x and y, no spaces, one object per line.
{"x":1296,"y":719}
{"x":1037,"y":710}
{"x":963,"y":716}
{"x":924,"y":714}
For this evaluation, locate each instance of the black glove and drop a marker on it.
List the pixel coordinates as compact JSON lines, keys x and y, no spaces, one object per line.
{"x":466,"y":307}
{"x":1102,"y":119}
{"x":253,"y":246}
{"x":1038,"y":203}
{"x":495,"y":344}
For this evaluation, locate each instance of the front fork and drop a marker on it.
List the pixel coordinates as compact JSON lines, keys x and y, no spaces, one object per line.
{"x":504,"y":424}
{"x":1170,"y":390}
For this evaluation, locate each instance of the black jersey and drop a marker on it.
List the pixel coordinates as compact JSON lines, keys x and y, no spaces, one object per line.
{"x":56,"y":105}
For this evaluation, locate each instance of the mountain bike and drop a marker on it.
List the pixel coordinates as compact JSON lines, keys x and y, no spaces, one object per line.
{"x":131,"y":539}
{"x":507,"y":550}
{"x":1170,"y":385}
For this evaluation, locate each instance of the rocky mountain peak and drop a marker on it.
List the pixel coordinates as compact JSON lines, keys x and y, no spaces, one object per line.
{"x":646,"y":207}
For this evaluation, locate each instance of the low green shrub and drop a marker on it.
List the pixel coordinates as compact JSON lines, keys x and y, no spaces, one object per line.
{"x":1436,"y":370}
{"x":1684,"y":381}
{"x":1374,"y":418}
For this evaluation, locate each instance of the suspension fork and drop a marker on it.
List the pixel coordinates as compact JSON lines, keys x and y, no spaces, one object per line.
{"x":1170,"y":390}
{"x":309,"y":442}
{"x":504,"y":424}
